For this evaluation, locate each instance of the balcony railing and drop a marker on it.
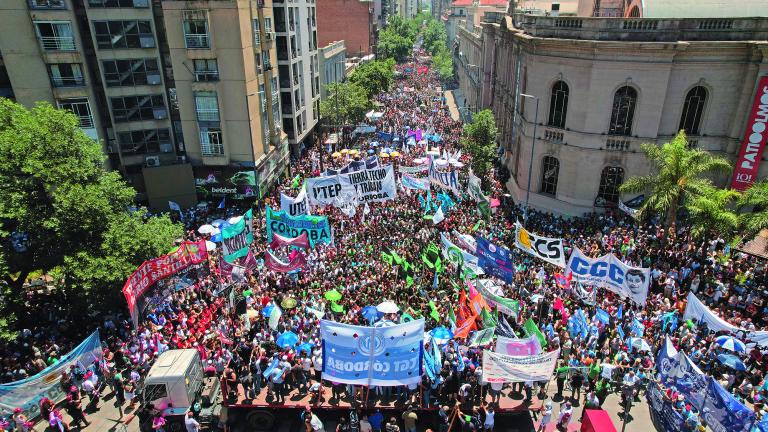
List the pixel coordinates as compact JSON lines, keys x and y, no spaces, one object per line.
{"x":204,"y":76}
{"x":197,"y":41}
{"x":211,"y":143}
{"x":68,"y":81}
{"x":85,"y":122}
{"x":57,"y":43}
{"x":553,"y":135}
{"x":617,"y":143}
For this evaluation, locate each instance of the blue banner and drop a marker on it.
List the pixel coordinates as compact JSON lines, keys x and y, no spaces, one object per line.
{"x":663,"y":415}
{"x":410,"y":182}
{"x":317,"y":227}
{"x":495,"y":260}
{"x":26,"y":394}
{"x":379,"y":356}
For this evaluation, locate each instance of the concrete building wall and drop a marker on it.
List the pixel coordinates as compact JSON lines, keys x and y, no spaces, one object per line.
{"x":332,"y":66}
{"x":662,"y":74}
{"x":352,"y":21}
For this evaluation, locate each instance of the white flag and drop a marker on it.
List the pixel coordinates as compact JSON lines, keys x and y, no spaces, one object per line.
{"x":274,"y":317}
{"x":439,"y":216}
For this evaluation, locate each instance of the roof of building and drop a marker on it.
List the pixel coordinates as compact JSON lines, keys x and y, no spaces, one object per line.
{"x":758,"y":246}
{"x":462,"y":3}
{"x":504,"y":3}
{"x":704,"y":8}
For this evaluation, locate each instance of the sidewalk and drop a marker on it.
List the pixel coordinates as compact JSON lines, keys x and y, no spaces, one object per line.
{"x":106,"y":418}
{"x":452,"y":107}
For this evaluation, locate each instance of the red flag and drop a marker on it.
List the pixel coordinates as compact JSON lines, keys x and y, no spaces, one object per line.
{"x":464,"y":327}
{"x":478,"y":303}
{"x":464,"y":311}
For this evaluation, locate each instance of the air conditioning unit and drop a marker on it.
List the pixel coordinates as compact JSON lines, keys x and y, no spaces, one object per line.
{"x":152,"y":161}
{"x":269,"y":36}
{"x":153,"y":79}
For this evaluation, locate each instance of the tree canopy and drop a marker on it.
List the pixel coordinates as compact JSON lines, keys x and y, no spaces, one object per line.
{"x":61,"y":209}
{"x":479,"y":140}
{"x":393,"y":45}
{"x":346,"y":103}
{"x":753,"y":206}
{"x":678,"y":172}
{"x":374,"y":77}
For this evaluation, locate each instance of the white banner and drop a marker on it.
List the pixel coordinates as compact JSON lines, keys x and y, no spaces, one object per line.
{"x":611,"y":273}
{"x":377,"y":184}
{"x":474,"y":188}
{"x":501,"y":368}
{"x":413,"y":170}
{"x":699,"y":312}
{"x":444,"y":179}
{"x":295,"y":206}
{"x":628,"y":210}
{"x":455,"y":254}
{"x":544,"y":248}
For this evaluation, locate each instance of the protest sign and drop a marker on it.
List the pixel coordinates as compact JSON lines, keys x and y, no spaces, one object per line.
{"x":634,"y":213}
{"x":612,"y":274}
{"x":544,"y":248}
{"x":297,"y":261}
{"x":444,"y":179}
{"x":295,"y":206}
{"x":459,"y":256}
{"x":317,"y":228}
{"x":663,"y":415}
{"x":495,"y":260}
{"x":504,"y":305}
{"x":410,"y":182}
{"x":279,"y":241}
{"x":369,"y":185}
{"x":518,"y":347}
{"x":236,"y":238}
{"x":474,"y":189}
{"x":501,"y":368}
{"x":27,"y":393}
{"x":151,"y":271}
{"x":699,"y":312}
{"x":379,"y":356}
{"x":413,"y":170}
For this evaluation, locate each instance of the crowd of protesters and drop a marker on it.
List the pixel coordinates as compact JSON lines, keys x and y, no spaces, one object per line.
{"x":590,"y":367}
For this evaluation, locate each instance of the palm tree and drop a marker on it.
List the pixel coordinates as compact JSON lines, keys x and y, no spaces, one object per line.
{"x":679,"y":172}
{"x":714,"y":211}
{"x":753,"y":208}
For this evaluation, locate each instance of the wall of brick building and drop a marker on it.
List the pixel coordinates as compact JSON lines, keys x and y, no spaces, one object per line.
{"x":347,"y":20}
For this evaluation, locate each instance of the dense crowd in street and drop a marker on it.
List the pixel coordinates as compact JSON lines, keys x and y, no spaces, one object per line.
{"x":590,"y":367}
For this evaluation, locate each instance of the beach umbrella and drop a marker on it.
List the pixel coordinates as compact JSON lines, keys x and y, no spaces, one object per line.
{"x":306,"y":347}
{"x":336,"y":154}
{"x":333,"y":295}
{"x":395,"y":154}
{"x":235,"y":219}
{"x":209,"y":245}
{"x":371,"y":313}
{"x":387,"y":150}
{"x":216,"y":237}
{"x":388,"y":307}
{"x":344,"y":151}
{"x":732,"y":362}
{"x":287,"y":339}
{"x":639,"y":344}
{"x":220,"y":223}
{"x":206,"y":229}
{"x":288,"y":303}
{"x":731,"y":343}
{"x":441,"y":335}
{"x":384,"y":155}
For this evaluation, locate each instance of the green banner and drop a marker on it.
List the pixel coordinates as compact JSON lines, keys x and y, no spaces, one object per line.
{"x":532,"y":330}
{"x":318,"y":228}
{"x":236,"y":238}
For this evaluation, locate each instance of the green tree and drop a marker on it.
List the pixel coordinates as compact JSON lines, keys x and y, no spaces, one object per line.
{"x":434,"y":36}
{"x":713,"y":210}
{"x":346,"y":103}
{"x":393,"y":45}
{"x":753,"y":208}
{"x":442,"y":62}
{"x":403,"y":27}
{"x":374,"y":77}
{"x":479,"y":140}
{"x":678,"y":172}
{"x":58,"y":194}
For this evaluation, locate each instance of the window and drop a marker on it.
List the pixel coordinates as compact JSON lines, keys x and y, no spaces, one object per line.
{"x":55,"y":35}
{"x":693,"y":108}
{"x":196,"y":30}
{"x":82,"y":110}
{"x":153,"y":392}
{"x":211,"y":141}
{"x":206,"y":70}
{"x":118,"y":3}
{"x":623,"y":111}
{"x":549,"y":172}
{"x":123,"y":34}
{"x":118,"y":73}
{"x":137,"y":108}
{"x":610,"y":180}
{"x":66,"y":75}
{"x":558,"y":104}
{"x":267,"y":25}
{"x":206,"y":106}
{"x":256,"y":34}
{"x":46,"y":4}
{"x":145,"y":141}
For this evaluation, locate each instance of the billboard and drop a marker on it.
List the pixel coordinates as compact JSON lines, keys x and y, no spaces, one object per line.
{"x":745,"y":171}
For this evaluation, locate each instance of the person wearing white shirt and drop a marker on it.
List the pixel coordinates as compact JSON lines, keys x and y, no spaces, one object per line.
{"x":191,"y":424}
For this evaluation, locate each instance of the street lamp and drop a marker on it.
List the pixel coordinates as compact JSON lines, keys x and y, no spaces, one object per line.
{"x":533,"y":147}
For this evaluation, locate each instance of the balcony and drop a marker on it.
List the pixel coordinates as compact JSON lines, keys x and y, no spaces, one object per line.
{"x":553,"y":135}
{"x":46,"y":4}
{"x":197,"y":41}
{"x":206,"y":76}
{"x":73,"y":81}
{"x":57,"y":43}
{"x":614,"y":143}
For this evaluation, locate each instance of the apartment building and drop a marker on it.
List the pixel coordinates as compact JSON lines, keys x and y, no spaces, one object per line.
{"x":181,"y":94}
{"x":333,"y":59}
{"x":299,"y":70}
{"x":353,"y":21}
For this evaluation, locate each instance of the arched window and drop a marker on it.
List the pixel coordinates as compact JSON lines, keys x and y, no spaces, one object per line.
{"x":634,"y":12}
{"x":623,"y":111}
{"x":550,"y":168}
{"x":610,"y":180}
{"x":558,"y":104}
{"x":693,"y":108}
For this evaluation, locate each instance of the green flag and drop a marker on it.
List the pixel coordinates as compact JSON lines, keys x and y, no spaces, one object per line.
{"x":387,"y":258}
{"x":406,"y":318}
{"x":431,"y":256}
{"x":295,"y":181}
{"x":482,"y":337}
{"x":532,"y":330}
{"x":487,"y":318}
{"x":396,"y":257}
{"x":451,"y":315}
{"x":408,"y":281}
{"x":433,"y":312}
{"x":337,"y":307}
{"x":485,"y":209}
{"x":477,"y":226}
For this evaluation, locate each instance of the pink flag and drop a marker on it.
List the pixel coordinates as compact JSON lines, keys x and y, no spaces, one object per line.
{"x":472,"y":290}
{"x":272,"y":263}
{"x":278,"y":241}
{"x":518,"y":347}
